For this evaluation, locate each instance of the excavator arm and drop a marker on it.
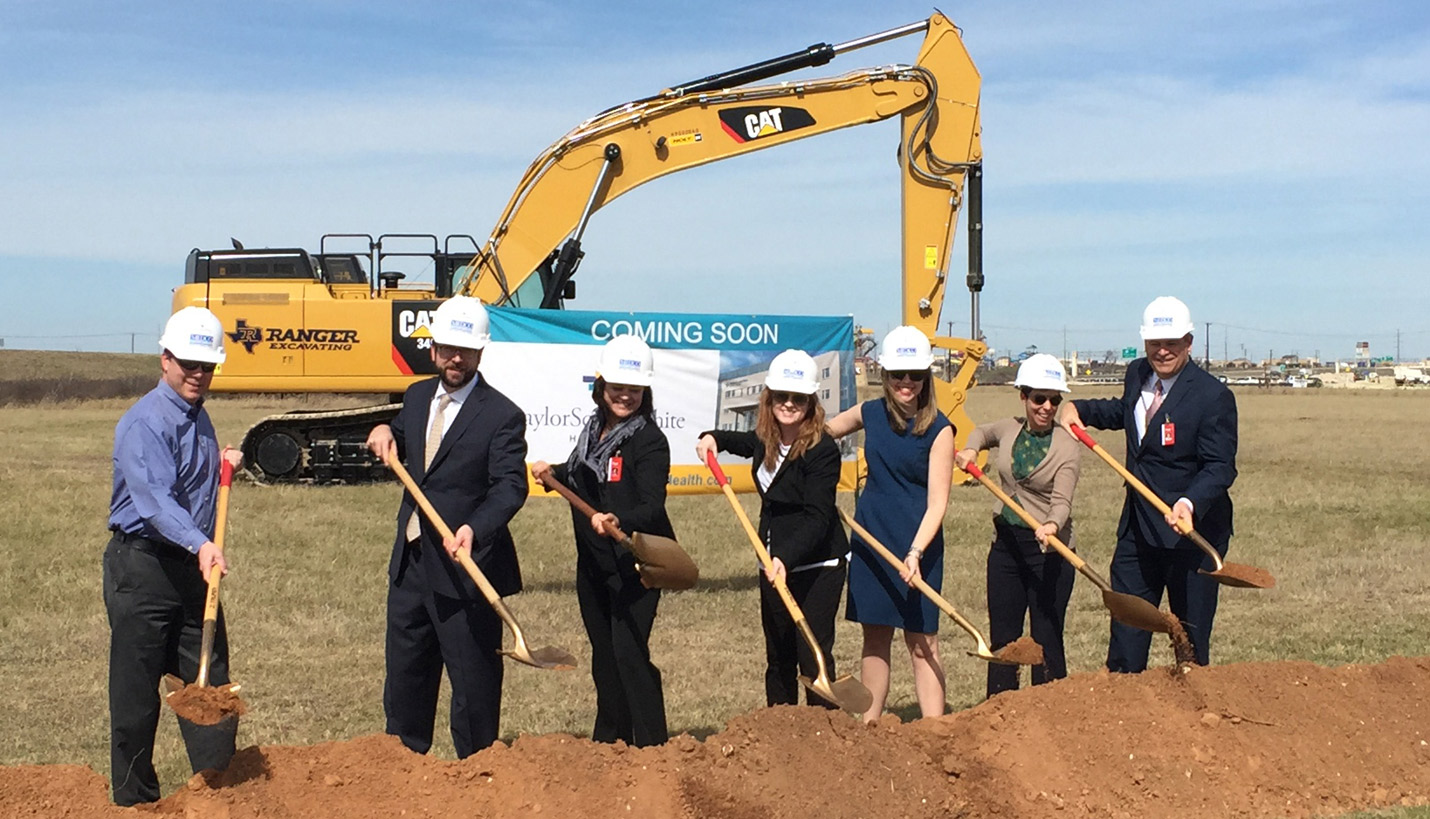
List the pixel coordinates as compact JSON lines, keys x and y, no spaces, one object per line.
{"x":631,"y":144}
{"x":718,"y":117}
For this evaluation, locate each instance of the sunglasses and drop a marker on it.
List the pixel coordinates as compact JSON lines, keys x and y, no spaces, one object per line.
{"x":1039,"y":400}
{"x":190,"y":366}
{"x":916,"y":376}
{"x":782,"y":397}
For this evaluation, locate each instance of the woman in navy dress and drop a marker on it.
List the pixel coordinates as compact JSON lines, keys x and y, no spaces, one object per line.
{"x":908,"y":445}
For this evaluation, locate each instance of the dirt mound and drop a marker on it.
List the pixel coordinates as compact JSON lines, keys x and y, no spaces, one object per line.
{"x":1263,"y":739}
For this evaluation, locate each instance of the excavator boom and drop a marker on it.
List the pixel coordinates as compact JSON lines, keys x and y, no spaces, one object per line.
{"x":304,"y":323}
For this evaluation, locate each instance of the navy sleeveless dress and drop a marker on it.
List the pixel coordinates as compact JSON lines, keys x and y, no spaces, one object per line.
{"x":891,"y":508}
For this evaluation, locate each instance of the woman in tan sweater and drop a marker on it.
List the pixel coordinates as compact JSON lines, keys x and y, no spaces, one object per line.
{"x":1038,"y":466}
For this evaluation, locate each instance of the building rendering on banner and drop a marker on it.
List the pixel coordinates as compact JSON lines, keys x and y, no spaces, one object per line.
{"x":740,"y":391}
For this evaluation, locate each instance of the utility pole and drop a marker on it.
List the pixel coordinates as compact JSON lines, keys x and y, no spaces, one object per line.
{"x":1207,"y":347}
{"x":1225,"y":356}
{"x":1397,"y":346}
{"x":131,"y":341}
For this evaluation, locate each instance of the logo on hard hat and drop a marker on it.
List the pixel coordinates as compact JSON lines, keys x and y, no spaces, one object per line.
{"x":790,"y":372}
{"x":202,"y":339}
{"x":1158,"y":321}
{"x":906,"y":351}
{"x":1054,"y":374}
{"x":628,"y":364}
{"x":461,"y":326}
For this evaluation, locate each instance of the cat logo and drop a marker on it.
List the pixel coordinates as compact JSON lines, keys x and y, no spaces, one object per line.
{"x":748,"y":123}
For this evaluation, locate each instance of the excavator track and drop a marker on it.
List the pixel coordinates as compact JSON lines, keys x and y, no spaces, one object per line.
{"x":316,"y":446}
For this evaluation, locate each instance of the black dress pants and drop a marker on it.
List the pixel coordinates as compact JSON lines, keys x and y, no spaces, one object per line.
{"x":154,"y":597}
{"x":1147,"y":571}
{"x":1024,"y":580}
{"x":619,"y":612}
{"x":426,"y":631}
{"x":787,"y":655}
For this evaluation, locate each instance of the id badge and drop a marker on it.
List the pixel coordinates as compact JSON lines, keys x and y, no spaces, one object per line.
{"x":1169,"y":434}
{"x":613,"y":471}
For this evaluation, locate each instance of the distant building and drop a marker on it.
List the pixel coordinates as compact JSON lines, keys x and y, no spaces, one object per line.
{"x":740,"y":392}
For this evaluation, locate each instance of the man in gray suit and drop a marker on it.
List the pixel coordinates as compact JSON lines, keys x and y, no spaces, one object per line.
{"x":464,"y":443}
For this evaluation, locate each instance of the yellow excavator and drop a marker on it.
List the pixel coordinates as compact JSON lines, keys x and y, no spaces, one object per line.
{"x":337,"y":322}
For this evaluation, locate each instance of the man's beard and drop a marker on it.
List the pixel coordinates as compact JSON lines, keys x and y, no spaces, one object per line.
{"x":463,"y":377}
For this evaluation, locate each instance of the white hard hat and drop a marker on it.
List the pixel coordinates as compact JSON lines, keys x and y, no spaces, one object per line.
{"x":905,"y":348}
{"x":627,"y":360}
{"x":194,"y":334}
{"x":461,"y":321}
{"x":1042,"y":372}
{"x":1166,"y":317}
{"x":793,"y":371}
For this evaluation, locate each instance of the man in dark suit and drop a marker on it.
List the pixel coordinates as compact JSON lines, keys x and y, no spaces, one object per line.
{"x":464,"y":444}
{"x":1180,"y":424}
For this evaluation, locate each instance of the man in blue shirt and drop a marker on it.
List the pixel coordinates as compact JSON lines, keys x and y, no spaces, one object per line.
{"x":161,"y":553}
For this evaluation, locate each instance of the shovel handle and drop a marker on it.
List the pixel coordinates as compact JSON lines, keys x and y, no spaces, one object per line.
{"x":919,"y":582}
{"x":464,"y":558}
{"x":760,"y":550}
{"x":1145,"y":491}
{"x":1061,"y":548}
{"x":579,"y":505}
{"x":206,"y":644}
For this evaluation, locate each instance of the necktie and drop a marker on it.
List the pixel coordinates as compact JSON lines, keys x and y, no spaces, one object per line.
{"x":1153,"y":407}
{"x":434,"y":440}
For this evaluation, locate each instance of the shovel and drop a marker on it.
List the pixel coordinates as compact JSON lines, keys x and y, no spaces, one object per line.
{"x":558,"y":659}
{"x":1125,"y":608}
{"x":846,"y":692}
{"x":982,"y":652}
{"x":210,"y":745}
{"x":660,"y":560}
{"x":1227,"y":574}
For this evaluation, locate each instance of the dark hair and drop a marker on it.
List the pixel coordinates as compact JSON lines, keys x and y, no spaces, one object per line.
{"x":811,"y":429}
{"x":603,"y":410}
{"x":926,"y":410}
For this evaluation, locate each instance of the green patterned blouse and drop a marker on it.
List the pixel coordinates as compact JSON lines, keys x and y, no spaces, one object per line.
{"x":1029,"y":450}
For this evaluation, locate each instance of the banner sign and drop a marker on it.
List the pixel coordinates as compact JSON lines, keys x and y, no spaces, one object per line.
{"x":709,"y":372}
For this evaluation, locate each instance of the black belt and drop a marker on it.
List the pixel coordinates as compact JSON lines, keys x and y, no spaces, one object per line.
{"x":162,"y":548}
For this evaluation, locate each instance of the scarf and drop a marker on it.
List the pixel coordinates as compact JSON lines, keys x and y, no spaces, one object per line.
{"x":594,"y":451}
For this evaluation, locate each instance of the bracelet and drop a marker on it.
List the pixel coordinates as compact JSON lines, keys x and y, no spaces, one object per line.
{"x":917,"y":554}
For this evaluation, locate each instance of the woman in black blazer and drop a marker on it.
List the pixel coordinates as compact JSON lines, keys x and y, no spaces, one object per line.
{"x":621,"y":465}
{"x":796,"y":469}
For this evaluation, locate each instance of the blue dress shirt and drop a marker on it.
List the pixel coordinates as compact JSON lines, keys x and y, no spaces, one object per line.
{"x":166,"y":461}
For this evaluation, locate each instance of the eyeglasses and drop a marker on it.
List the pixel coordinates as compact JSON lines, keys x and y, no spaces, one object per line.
{"x":1041,"y":399}
{"x":781,"y":397}
{"x":190,"y":366}
{"x":452,"y":351}
{"x":916,"y":376}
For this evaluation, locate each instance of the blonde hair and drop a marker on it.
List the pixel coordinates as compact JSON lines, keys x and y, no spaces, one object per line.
{"x":925,"y":413}
{"x":767,"y":429}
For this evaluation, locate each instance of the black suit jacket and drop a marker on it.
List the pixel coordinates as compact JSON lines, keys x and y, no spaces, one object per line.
{"x":1200,"y":466}
{"x":478,"y":478}
{"x":798,"y":519}
{"x":637,"y":499}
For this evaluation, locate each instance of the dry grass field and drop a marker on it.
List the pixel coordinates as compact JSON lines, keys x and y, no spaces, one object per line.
{"x":1332,"y":499}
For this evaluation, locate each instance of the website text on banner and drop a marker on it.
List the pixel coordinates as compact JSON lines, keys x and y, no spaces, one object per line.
{"x":709,"y":370}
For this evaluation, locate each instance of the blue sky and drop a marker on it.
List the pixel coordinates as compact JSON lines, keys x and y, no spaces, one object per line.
{"x":1265,"y":161}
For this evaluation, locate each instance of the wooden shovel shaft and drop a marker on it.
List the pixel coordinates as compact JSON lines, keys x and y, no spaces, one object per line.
{"x":464,"y":558}
{"x":1061,"y":548}
{"x":206,"y":644}
{"x":919,"y":582}
{"x":768,"y":562}
{"x":580,"y":505}
{"x":1146,"y":491}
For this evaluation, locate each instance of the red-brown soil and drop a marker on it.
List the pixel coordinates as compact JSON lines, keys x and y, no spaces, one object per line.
{"x":1286,"y":739}
{"x":206,"y":705}
{"x":1023,"y":651}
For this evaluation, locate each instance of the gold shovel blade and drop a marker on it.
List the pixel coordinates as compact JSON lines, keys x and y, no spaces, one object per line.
{"x":1136,"y":612}
{"x":663,"y":563}
{"x":845,"y":692}
{"x":1241,"y":576}
{"x":547,"y":657}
